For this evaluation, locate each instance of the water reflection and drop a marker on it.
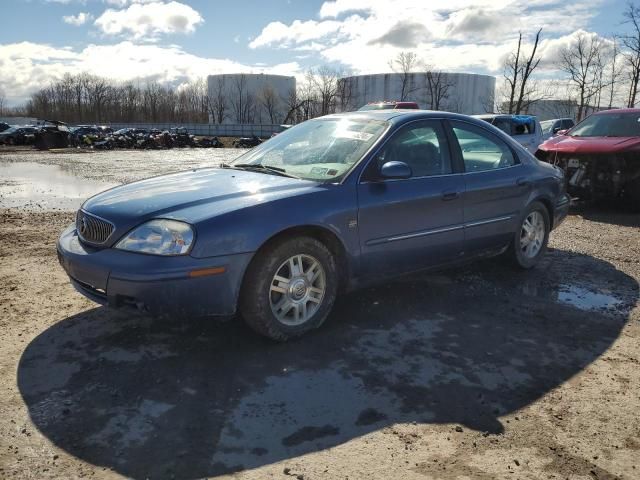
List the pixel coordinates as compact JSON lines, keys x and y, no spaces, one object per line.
{"x":38,"y":186}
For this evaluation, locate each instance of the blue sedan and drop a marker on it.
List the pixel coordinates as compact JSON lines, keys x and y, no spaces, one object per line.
{"x":329,"y":205}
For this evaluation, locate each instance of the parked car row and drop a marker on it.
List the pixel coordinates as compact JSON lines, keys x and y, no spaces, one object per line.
{"x":55,"y":134}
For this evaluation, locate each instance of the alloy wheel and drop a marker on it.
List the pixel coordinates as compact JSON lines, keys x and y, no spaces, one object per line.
{"x":532,"y":234}
{"x":297,"y":289}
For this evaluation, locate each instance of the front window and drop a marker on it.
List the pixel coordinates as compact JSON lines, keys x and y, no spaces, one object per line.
{"x":609,"y":125}
{"x":421,"y":145}
{"x":322,"y":150}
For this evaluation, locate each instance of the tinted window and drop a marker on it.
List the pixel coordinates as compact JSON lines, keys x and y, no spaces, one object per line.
{"x":481,"y":151}
{"x":566,"y":124}
{"x":422,"y":146}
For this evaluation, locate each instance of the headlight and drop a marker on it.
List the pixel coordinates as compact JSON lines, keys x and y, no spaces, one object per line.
{"x":159,"y":237}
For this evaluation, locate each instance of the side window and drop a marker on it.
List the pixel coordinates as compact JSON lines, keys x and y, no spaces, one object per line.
{"x":421,"y":145}
{"x":481,"y":151}
{"x":567,"y":124}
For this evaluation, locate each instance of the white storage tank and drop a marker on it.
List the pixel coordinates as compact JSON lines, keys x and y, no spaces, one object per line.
{"x":466,"y":93}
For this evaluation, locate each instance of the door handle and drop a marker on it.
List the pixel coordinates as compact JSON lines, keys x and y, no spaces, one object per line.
{"x":450,"y":195}
{"x":523,"y":182}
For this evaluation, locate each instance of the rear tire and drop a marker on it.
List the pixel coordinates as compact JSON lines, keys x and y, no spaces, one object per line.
{"x":289,"y":288}
{"x":530,"y":241}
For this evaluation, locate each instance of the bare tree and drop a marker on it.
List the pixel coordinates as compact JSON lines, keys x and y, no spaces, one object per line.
{"x":615,"y":71}
{"x":239,"y":102}
{"x":512,"y":73}
{"x":324,"y":81}
{"x":218,"y":100}
{"x":269,"y":101}
{"x":631,"y":43}
{"x":438,"y":86}
{"x":404,"y":64}
{"x":582,"y":62}
{"x":517,"y":71}
{"x":345,"y":94}
{"x":293,"y":104}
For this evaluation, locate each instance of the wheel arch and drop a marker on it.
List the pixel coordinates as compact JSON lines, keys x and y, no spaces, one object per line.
{"x":548,"y":204}
{"x":324,"y":235}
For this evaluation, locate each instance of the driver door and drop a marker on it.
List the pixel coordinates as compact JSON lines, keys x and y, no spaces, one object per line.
{"x":417,"y":222}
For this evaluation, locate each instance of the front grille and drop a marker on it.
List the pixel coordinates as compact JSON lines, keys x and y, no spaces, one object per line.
{"x":92,"y":229}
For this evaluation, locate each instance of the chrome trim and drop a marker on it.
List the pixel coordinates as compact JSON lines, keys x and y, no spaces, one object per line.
{"x":90,"y":242}
{"x":414,"y":235}
{"x":488,"y":221}
{"x":425,"y":233}
{"x":499,"y":169}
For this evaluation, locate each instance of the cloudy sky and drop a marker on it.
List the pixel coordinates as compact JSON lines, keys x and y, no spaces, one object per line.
{"x":174,"y":41}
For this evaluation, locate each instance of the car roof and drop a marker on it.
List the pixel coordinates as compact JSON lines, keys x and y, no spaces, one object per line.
{"x":618,"y":110}
{"x":503,"y":115}
{"x":399,"y":115}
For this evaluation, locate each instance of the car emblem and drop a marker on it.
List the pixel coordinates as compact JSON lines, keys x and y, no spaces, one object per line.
{"x":83,"y":225}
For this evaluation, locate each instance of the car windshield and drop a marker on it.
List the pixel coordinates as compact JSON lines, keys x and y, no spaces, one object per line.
{"x":378,"y":106}
{"x":322,"y":150}
{"x":609,"y":125}
{"x":547,"y":125}
{"x":11,"y":130}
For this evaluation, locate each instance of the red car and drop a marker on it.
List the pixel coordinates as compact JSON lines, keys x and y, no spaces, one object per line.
{"x":600,"y":156}
{"x":389,"y":106}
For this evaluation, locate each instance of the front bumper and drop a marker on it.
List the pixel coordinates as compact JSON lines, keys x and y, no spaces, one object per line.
{"x":154,"y":284}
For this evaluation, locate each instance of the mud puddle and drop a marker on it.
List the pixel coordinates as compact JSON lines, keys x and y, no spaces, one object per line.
{"x":35,"y":186}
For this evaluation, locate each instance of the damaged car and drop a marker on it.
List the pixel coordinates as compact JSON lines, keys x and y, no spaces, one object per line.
{"x":600,"y":156}
{"x":52,"y":134}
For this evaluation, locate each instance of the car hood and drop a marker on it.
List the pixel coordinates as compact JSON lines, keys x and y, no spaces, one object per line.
{"x":191,"y":196}
{"x":569,"y":144}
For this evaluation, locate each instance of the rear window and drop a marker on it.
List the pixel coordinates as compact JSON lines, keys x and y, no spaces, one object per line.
{"x":378,"y":106}
{"x":513,"y":126}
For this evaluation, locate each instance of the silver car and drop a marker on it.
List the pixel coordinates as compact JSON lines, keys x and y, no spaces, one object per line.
{"x":550,"y":128}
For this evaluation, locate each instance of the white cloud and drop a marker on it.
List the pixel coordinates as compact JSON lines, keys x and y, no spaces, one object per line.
{"x":147,"y":20}
{"x":77,"y":20}
{"x":26,"y":67}
{"x":472,"y":35}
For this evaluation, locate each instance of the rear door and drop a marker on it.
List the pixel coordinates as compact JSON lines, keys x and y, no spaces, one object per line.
{"x":496,"y":187}
{"x":417,"y":222}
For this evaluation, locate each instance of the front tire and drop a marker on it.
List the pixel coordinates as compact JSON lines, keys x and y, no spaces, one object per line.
{"x":530,"y":240}
{"x":289,"y":288}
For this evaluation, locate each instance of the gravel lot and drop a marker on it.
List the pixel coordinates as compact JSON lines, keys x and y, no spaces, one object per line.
{"x":479,"y":372}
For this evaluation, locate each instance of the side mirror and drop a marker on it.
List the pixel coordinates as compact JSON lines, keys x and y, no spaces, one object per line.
{"x":562,"y":132}
{"x":395,"y":170}
{"x":556,"y":129}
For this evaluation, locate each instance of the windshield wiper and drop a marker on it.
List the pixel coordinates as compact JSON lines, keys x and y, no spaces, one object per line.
{"x":259,"y":167}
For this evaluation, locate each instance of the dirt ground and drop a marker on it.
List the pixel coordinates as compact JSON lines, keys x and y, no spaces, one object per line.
{"x":481,"y":372}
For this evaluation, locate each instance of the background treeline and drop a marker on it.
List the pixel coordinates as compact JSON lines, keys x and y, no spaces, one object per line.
{"x":87,"y":98}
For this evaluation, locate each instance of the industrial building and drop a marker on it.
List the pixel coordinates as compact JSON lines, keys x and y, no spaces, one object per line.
{"x":249,"y":98}
{"x":466,"y":93}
